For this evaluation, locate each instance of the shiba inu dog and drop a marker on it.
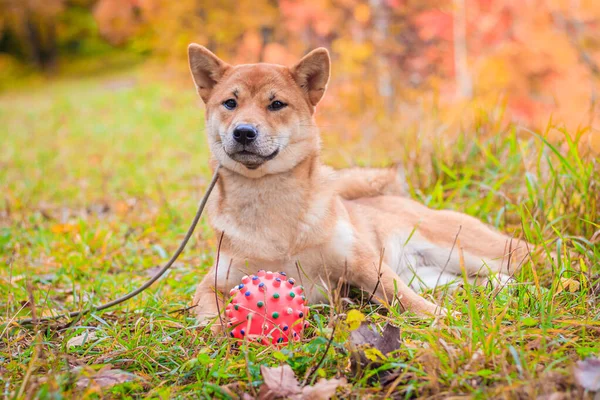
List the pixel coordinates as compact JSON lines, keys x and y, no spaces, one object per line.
{"x":277,"y":206}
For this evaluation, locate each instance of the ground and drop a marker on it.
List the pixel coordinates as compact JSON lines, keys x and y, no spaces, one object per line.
{"x":100,"y":177}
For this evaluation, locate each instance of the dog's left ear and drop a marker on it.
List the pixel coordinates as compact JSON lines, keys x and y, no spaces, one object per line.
{"x":311,"y":73}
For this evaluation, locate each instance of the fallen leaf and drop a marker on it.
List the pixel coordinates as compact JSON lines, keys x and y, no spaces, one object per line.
{"x":279,"y":382}
{"x":368,"y":347}
{"x":104,"y":378}
{"x":324,"y":389}
{"x":587,"y":374}
{"x":569,"y":284}
{"x":386,"y":342}
{"x":354,"y":319}
{"x":79,"y":340}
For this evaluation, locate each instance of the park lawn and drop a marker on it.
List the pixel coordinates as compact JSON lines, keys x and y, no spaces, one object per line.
{"x":100,"y":177}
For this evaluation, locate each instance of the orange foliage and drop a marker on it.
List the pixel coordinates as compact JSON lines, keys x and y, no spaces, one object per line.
{"x":539,"y":58}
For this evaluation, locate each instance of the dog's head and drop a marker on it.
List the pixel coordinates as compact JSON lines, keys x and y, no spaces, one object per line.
{"x":259,"y":117}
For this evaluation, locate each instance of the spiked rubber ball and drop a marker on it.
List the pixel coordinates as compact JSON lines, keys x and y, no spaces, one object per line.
{"x":267,"y":308}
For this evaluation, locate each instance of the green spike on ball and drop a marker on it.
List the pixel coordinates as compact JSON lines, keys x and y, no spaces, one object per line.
{"x":260,"y":304}
{"x":275,"y":315}
{"x":237,"y":307}
{"x":292,"y":295}
{"x":276,"y":296}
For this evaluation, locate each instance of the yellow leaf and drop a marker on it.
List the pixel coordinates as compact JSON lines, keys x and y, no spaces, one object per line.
{"x":354,"y":318}
{"x":374,"y":354}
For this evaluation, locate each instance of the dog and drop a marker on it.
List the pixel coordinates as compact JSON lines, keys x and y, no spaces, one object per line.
{"x":277,"y":207}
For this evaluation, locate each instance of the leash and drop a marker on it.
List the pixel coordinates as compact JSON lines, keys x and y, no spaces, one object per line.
{"x":188,"y":235}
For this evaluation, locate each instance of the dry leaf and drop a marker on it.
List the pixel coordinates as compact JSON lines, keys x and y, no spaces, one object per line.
{"x":569,"y":284}
{"x":81,"y":339}
{"x":279,"y":382}
{"x":104,"y":378}
{"x":324,"y":389}
{"x":587,"y":374}
{"x":368,"y":347}
{"x":365,"y":335}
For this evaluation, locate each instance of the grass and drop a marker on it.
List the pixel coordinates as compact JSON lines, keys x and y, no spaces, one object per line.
{"x":100,"y":177}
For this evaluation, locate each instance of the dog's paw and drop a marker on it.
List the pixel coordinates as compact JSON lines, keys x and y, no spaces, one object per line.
{"x":217,"y":328}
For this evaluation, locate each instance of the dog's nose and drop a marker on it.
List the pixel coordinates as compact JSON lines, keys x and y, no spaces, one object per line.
{"x":245,"y":134}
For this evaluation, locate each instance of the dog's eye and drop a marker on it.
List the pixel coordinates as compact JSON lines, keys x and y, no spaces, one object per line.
{"x":276,"y":105}
{"x":230,"y":104}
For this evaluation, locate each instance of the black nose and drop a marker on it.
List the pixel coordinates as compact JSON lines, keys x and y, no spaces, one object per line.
{"x":245,"y":134}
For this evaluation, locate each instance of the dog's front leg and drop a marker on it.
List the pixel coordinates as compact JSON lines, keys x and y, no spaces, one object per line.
{"x":205,"y":302}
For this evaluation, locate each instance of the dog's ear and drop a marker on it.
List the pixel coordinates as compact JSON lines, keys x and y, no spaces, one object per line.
{"x":206,"y":69}
{"x":311,"y":73}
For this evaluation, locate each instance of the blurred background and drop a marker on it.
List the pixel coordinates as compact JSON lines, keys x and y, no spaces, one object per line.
{"x":395,"y":62}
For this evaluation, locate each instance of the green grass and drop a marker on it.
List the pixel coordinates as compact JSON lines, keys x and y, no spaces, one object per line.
{"x":99,"y":178}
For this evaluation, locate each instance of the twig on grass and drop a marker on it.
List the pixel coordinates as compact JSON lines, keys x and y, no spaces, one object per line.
{"x":318,"y":365}
{"x":217,"y":276}
{"x":182,"y":310}
{"x":381,"y":253}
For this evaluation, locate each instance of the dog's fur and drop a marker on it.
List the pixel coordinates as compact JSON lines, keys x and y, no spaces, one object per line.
{"x":277,"y":205}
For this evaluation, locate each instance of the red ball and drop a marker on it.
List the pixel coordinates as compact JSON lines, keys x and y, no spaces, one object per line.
{"x":267,"y":308}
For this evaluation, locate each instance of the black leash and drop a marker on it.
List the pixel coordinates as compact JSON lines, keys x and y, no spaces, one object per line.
{"x":188,"y":235}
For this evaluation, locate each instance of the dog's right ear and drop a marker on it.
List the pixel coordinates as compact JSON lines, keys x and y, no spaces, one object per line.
{"x":206,"y":69}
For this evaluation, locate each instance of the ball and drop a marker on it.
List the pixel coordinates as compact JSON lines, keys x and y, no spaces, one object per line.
{"x":267,"y":308}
